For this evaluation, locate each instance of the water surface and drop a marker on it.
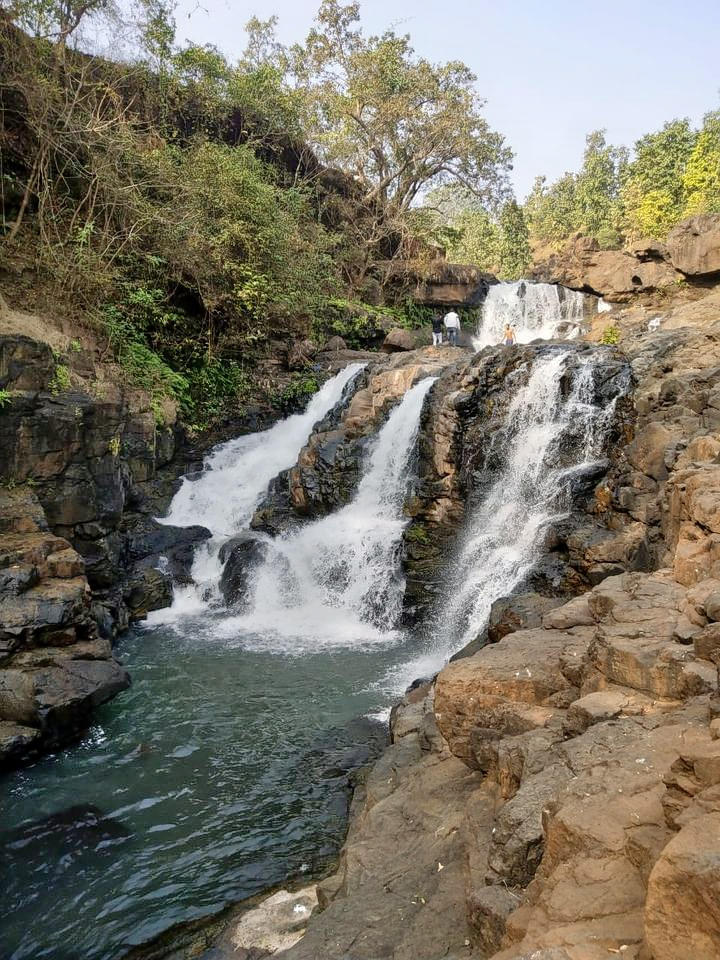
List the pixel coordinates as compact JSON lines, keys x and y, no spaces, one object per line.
{"x":220,"y":772}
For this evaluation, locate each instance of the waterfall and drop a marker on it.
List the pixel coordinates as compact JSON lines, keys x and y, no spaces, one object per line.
{"x":547,"y":438}
{"x":551,"y":434}
{"x":235,"y":476}
{"x":537,"y":311}
{"x":337,"y":580}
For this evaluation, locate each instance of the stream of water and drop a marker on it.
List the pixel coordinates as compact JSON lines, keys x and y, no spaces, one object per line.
{"x":222,"y":771}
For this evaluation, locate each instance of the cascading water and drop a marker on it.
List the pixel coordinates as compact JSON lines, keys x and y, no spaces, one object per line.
{"x":551,"y":435}
{"x":537,"y":311}
{"x":503,"y":533}
{"x":337,"y":581}
{"x":235,"y":477}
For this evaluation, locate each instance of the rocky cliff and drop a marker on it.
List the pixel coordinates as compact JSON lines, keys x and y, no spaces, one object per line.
{"x":691,"y":254}
{"x":556,"y":794}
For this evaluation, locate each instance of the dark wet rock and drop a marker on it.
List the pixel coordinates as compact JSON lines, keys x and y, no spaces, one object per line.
{"x":16,"y":742}
{"x":330,"y":465}
{"x":147,"y":590}
{"x":241,"y":555}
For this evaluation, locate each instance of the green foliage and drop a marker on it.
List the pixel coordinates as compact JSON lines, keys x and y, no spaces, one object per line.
{"x":301,"y":387}
{"x":476,"y":239}
{"x":5,"y":399}
{"x":514,"y":247}
{"x":701,"y":179}
{"x":398,"y":122}
{"x":609,"y":238}
{"x":60,"y":379}
{"x":673,"y":173}
{"x":597,"y":185}
{"x":417,"y":534}
{"x":610,"y":336}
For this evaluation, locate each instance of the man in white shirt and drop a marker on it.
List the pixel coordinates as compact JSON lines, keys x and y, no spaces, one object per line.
{"x":452,"y":325}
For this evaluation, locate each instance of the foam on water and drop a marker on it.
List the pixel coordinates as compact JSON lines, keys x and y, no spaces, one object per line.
{"x":338,"y":580}
{"x":234,"y":479}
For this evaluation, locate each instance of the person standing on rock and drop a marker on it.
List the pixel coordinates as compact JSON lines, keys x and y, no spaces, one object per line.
{"x":452,"y":325}
{"x":437,"y":330}
{"x":509,"y":335}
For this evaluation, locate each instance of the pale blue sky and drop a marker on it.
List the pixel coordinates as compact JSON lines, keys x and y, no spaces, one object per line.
{"x":550,"y":71}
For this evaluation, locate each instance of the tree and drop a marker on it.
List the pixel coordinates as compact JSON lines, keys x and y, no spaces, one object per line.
{"x":54,"y":20}
{"x":657,"y":172}
{"x":397,"y":123}
{"x":552,"y":212}
{"x":701,"y":180}
{"x":514,"y":247}
{"x":598,"y":185}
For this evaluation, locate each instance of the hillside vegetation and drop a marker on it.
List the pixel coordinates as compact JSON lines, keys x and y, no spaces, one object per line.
{"x":194,"y":210}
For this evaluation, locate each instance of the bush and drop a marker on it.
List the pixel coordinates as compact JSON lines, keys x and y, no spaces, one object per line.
{"x":296,"y":394}
{"x":60,"y":379}
{"x":610,"y":336}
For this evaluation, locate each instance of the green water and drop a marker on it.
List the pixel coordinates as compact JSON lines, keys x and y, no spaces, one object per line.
{"x":220,"y":772}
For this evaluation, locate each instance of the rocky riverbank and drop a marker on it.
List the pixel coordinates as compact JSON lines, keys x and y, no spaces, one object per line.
{"x":556,"y":794}
{"x":88,"y":462}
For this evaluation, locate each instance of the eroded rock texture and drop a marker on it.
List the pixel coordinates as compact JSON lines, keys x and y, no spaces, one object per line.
{"x":54,"y":668}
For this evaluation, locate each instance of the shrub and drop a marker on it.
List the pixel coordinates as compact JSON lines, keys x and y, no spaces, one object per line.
{"x":60,"y":379}
{"x":610,"y":336}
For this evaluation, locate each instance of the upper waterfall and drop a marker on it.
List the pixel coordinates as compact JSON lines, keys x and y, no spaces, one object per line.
{"x":338,"y":579}
{"x":235,"y":477}
{"x":536,"y":310}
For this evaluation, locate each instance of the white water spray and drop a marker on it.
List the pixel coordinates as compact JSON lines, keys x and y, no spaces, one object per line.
{"x":235,"y":477}
{"x":504,"y":531}
{"x":536,"y":310}
{"x":337,"y":581}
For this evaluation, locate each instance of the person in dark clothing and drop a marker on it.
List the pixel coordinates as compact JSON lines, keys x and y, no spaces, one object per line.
{"x":437,"y":330}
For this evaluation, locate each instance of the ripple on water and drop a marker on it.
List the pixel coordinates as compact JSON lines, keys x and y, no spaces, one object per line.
{"x":220,"y":772}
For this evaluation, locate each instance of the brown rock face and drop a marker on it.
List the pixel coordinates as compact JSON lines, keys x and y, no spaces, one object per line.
{"x":398,"y":339}
{"x":694,"y":245}
{"x":613,"y":274}
{"x":682,"y":914}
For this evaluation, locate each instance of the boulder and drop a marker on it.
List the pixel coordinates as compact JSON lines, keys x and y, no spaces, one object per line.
{"x":16,"y":741}
{"x":148,"y":589}
{"x":335,"y":344}
{"x":300,"y":353}
{"x":694,"y":245}
{"x":615,"y":275}
{"x":518,"y":612}
{"x":682,"y":912}
{"x":398,"y":339}
{"x":240,"y":555}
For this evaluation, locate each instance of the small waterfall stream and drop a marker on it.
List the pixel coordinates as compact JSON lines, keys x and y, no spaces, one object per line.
{"x":338,"y":580}
{"x":235,"y":477}
{"x":503,"y":531}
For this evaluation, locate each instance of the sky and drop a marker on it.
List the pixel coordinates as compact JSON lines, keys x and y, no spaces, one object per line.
{"x":550,"y":71}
